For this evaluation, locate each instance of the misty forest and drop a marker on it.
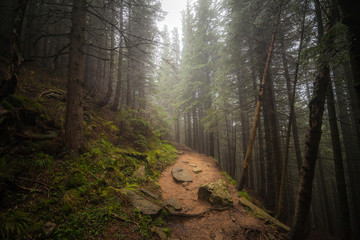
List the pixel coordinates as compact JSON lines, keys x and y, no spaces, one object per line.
{"x":243,"y":123}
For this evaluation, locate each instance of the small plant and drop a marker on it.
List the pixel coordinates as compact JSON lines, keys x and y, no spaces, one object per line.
{"x":43,"y":161}
{"x":13,"y":224}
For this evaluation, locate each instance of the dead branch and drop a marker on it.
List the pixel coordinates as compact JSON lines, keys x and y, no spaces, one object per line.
{"x":50,"y":91}
{"x":123,"y":219}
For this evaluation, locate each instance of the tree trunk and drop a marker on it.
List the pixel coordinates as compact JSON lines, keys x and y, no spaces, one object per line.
{"x":9,"y":82}
{"x":112,"y":63}
{"x":74,"y":130}
{"x":351,"y":150}
{"x":116,"y":102}
{"x":339,"y":168}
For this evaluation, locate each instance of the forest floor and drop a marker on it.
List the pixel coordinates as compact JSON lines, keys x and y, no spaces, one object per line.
{"x":200,"y":220}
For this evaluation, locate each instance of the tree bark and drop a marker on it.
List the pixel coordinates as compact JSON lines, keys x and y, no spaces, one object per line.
{"x":74,"y":129}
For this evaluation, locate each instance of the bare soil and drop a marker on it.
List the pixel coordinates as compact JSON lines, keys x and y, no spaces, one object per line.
{"x":200,"y":220}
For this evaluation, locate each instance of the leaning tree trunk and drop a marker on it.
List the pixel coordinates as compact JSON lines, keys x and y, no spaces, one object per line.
{"x":74,"y":100}
{"x":243,"y":177}
{"x":8,"y":82}
{"x":316,"y":105}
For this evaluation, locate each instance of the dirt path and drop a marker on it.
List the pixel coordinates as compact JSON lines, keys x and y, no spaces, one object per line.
{"x":234,"y":223}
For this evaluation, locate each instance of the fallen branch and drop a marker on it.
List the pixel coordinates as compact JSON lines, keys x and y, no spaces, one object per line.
{"x":50,"y":91}
{"x":123,"y":219}
{"x":28,"y":189}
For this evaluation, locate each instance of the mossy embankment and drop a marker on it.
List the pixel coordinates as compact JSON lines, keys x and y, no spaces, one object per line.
{"x":46,"y":194}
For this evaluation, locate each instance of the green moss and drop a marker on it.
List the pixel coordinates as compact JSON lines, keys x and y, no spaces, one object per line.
{"x":231,"y":180}
{"x":245,"y":195}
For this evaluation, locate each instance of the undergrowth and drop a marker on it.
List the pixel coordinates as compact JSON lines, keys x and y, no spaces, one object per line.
{"x":83,"y":192}
{"x":81,"y":195}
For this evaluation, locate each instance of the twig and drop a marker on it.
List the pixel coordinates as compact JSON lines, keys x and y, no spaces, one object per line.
{"x":124,"y":219}
{"x":28,"y":189}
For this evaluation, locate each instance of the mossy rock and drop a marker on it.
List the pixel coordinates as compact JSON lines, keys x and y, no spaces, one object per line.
{"x":216,"y":193}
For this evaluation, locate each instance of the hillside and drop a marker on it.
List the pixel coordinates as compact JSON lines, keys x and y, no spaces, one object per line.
{"x":47,"y":194}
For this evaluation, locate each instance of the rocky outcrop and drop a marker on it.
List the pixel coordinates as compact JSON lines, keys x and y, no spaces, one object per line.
{"x":144,"y":206}
{"x":180,"y":175}
{"x":216,"y":193}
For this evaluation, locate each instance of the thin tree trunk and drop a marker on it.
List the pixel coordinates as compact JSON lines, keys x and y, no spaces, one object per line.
{"x":292,"y":119}
{"x":115,"y":104}
{"x":325,"y":201}
{"x":112,"y":63}
{"x":242,"y":181}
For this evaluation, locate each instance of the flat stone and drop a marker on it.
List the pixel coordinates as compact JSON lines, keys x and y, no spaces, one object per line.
{"x":140,"y":173}
{"x":216,"y":193}
{"x":174,"y":204}
{"x":192,"y":165}
{"x":185,"y":161}
{"x":197,"y":170}
{"x":180,"y":175}
{"x":148,"y":193}
{"x":144,"y":206}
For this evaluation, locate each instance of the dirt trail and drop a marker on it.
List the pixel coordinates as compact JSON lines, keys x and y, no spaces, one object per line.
{"x":234,"y":223}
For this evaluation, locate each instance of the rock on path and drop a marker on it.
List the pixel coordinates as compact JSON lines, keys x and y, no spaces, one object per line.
{"x":180,"y":175}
